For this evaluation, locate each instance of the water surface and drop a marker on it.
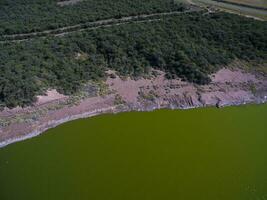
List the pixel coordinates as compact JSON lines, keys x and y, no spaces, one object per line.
{"x":199,"y":154}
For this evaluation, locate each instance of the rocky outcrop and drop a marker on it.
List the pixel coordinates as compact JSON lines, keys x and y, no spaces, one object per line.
{"x":228,"y":88}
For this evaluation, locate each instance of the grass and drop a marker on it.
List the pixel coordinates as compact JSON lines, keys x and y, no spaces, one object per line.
{"x":258,"y":3}
{"x":252,"y":67}
{"x":119,"y":100}
{"x":253,"y":88}
{"x":261,"y":14}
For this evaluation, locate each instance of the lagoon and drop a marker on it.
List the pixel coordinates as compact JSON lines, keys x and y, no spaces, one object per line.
{"x":203,"y":154}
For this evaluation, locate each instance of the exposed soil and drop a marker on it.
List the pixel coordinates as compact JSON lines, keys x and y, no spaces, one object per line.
{"x":68,"y":2}
{"x":51,"y":95}
{"x":244,"y":4}
{"x":227,"y":88}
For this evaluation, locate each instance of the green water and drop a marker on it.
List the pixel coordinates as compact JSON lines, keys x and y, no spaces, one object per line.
{"x":199,"y":154}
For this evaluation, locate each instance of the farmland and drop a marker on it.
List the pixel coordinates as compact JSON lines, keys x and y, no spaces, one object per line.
{"x":256,"y":3}
{"x":245,"y":8}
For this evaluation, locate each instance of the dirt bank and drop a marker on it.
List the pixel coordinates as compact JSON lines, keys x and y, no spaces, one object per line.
{"x":227,"y":88}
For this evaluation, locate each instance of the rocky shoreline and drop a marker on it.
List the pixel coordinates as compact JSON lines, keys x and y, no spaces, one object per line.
{"x":113,"y":110}
{"x":228,"y":88}
{"x":53,"y":124}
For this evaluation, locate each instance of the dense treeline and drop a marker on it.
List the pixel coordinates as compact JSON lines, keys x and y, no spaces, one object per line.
{"x":92,"y":25}
{"x":189,"y":46}
{"x":24,"y":16}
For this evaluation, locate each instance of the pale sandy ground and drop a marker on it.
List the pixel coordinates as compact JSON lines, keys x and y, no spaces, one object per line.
{"x":68,"y":2}
{"x":227,"y":88}
{"x":237,"y":76}
{"x":51,"y":95}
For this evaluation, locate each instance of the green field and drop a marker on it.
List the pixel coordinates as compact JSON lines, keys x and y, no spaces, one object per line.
{"x":258,"y":3}
{"x":261,"y":14}
{"x":202,"y":154}
{"x":182,"y":1}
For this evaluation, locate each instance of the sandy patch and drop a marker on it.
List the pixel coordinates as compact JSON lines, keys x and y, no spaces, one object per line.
{"x":69,"y":2}
{"x":51,"y":95}
{"x":130,"y":89}
{"x":228,"y":87}
{"x":237,"y":76}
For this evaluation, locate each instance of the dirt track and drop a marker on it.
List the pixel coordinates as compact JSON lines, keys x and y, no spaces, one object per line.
{"x":227,"y":88}
{"x":91,"y":25}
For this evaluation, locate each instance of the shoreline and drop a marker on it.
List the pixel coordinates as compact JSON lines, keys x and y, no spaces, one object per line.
{"x":111,"y":110}
{"x":228,"y":88}
{"x":53,"y":124}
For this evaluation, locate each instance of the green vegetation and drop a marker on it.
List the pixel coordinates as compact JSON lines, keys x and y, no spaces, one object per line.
{"x":189,"y":46}
{"x":21,"y":16}
{"x":118,"y":100}
{"x":252,"y":88}
{"x":150,"y":96}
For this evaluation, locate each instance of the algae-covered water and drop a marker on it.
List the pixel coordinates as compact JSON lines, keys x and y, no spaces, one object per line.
{"x":199,"y":154}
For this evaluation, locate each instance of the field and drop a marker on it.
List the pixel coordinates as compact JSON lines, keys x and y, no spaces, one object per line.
{"x":257,"y":3}
{"x":242,"y":10}
{"x":182,"y":1}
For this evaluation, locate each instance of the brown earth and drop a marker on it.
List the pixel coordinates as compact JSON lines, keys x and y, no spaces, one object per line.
{"x":228,"y":87}
{"x":68,"y":2}
{"x":259,"y":3}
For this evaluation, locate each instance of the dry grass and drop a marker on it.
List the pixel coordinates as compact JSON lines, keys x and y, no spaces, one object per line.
{"x":68,"y":2}
{"x":258,"y":3}
{"x":241,"y":10}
